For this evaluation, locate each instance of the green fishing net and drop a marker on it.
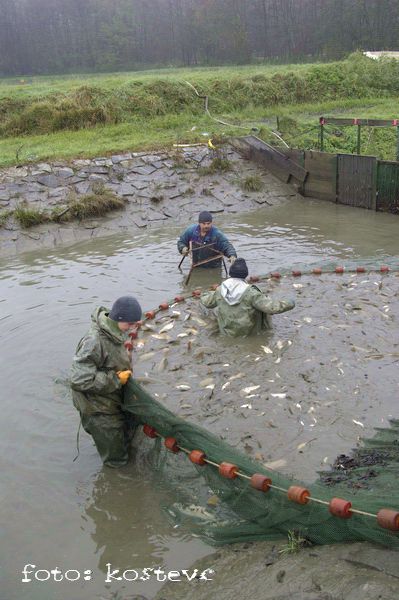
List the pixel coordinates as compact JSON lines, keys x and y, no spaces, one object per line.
{"x":368,"y":477}
{"x":246,"y":514}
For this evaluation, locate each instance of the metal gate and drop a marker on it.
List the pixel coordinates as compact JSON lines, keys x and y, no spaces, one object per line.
{"x":357,"y":180}
{"x":388,"y":186}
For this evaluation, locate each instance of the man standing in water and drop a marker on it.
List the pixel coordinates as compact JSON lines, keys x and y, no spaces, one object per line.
{"x":241,"y":308}
{"x":101,"y":367}
{"x":206,"y":242}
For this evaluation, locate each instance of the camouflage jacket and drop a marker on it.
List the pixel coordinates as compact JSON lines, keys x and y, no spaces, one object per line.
{"x":96,"y":388}
{"x":242,"y":309}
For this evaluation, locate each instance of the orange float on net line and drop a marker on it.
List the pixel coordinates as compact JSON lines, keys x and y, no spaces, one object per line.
{"x":228,"y":470}
{"x":317,"y":271}
{"x":388,"y":519}
{"x":296,"y":273}
{"x":275,"y":275}
{"x":133,"y":335}
{"x":253,"y":278}
{"x":261,"y":482}
{"x":340,"y":508}
{"x":196,"y":293}
{"x":214,"y":286}
{"x":171,"y":444}
{"x":150,"y":314}
{"x":128,"y":346}
{"x":150,"y":431}
{"x":298,"y":494}
{"x":197,"y":457}
{"x":339,"y":269}
{"x":360,"y":269}
{"x":164,"y":306}
{"x":179,"y":298}
{"x":384,"y":269}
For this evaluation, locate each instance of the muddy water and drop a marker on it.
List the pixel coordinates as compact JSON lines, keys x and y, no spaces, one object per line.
{"x":77,"y":515}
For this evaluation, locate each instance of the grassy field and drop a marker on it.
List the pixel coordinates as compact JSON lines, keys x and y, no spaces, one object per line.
{"x":84,"y":116}
{"x":35,"y":87}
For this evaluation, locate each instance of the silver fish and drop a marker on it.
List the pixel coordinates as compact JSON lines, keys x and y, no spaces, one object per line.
{"x":167,"y":327}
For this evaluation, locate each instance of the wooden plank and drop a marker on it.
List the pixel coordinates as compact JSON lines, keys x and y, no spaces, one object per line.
{"x":357,"y":180}
{"x":275,"y":160}
{"x":354,"y":121}
{"x":321,"y":182}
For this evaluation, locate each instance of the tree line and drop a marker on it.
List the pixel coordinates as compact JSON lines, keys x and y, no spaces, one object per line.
{"x":65,"y":36}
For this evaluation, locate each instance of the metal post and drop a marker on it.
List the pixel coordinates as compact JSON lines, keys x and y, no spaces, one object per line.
{"x":321,"y":137}
{"x":358,"y":139}
{"x":397,"y":143}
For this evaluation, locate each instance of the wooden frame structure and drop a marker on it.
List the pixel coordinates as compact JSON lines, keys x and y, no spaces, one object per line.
{"x":359,"y":123}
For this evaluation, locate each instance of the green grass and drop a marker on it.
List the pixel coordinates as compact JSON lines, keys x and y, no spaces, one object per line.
{"x":218,"y":165}
{"x":252,"y":183}
{"x":28,"y":217}
{"x":87,"y":116}
{"x":139,"y":135}
{"x":294,"y":544}
{"x":95,"y":204}
{"x":37,"y":87}
{"x":4,"y":216}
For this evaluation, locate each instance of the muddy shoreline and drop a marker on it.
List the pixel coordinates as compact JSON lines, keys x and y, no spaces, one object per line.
{"x":264,"y":571}
{"x":158,"y":189}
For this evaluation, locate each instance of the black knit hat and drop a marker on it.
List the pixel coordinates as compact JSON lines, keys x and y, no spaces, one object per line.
{"x":126,"y":309}
{"x":205,"y":217}
{"x":239,"y":269}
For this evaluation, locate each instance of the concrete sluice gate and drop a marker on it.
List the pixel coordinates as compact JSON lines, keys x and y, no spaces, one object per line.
{"x":283,"y":404}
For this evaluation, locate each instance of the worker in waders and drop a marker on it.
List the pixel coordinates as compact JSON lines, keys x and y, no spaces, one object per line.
{"x":101,"y":367}
{"x":242,"y":309}
{"x":206,"y":243}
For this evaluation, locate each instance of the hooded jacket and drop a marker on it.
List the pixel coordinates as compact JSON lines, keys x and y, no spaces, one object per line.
{"x":242,"y":309}
{"x":96,"y":388}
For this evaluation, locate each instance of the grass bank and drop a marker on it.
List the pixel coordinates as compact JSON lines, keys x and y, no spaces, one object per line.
{"x":47,"y":117}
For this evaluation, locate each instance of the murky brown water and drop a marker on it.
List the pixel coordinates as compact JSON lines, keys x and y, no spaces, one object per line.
{"x":77,"y":515}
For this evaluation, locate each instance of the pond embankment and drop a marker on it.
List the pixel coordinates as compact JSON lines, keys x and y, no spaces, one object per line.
{"x":157,"y":188}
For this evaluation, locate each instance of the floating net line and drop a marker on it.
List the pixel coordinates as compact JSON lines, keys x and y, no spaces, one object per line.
{"x":355,"y":267}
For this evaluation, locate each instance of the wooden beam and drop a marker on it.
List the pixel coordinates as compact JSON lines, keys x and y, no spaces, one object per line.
{"x":368,"y":122}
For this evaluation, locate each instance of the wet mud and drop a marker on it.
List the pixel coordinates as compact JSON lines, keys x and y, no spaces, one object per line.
{"x":266,"y":571}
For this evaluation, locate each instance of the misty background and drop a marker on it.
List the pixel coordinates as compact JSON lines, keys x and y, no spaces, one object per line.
{"x":65,"y":36}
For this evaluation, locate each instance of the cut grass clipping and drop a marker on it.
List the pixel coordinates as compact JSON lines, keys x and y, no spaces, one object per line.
{"x":97,"y":204}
